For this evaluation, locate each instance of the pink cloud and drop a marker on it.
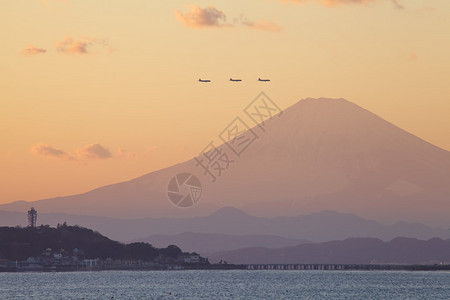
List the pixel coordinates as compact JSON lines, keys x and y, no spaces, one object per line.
{"x":94,"y":151}
{"x":81,"y":46}
{"x":47,"y":150}
{"x":212,"y":17}
{"x":199,"y":17}
{"x":32,"y":50}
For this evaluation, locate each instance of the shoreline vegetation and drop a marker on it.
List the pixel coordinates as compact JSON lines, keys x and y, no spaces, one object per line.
{"x":75,"y":248}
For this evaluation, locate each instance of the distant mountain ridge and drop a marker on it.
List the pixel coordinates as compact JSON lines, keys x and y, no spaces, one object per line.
{"x":207,"y":243}
{"x":317,"y":227}
{"x":349,"y":251}
{"x":319,"y":154}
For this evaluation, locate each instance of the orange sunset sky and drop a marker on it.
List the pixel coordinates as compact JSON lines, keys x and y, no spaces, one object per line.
{"x":97,"y":92}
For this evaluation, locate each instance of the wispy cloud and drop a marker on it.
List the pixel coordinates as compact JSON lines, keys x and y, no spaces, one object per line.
{"x":331,"y":3}
{"x":397,"y":4}
{"x":32,"y":50}
{"x":199,"y":17}
{"x":91,"y":151}
{"x":263,"y":25}
{"x":47,"y":150}
{"x":81,"y":46}
{"x":94,"y":151}
{"x":122,"y":153}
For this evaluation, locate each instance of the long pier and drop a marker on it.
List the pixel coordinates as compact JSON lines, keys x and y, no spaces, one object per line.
{"x":343,"y":267}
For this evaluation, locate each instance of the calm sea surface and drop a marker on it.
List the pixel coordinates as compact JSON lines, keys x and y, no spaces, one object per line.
{"x":226,"y":285}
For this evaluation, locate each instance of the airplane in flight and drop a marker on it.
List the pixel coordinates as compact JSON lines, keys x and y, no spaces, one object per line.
{"x":265,"y":80}
{"x":235,"y":80}
{"x":204,"y":80}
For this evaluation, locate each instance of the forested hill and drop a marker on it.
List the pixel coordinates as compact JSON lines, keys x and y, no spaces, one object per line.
{"x":20,"y":243}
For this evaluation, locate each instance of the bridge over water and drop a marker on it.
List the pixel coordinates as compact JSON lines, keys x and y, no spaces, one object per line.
{"x":368,"y":267}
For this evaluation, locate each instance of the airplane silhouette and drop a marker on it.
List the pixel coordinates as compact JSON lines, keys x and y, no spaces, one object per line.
{"x":204,"y":80}
{"x":235,"y":80}
{"x":265,"y":80}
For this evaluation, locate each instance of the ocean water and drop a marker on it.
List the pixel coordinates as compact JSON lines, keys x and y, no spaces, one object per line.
{"x":226,"y":285}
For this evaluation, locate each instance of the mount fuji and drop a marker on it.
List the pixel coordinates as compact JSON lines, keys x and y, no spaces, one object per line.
{"x":319,"y":154}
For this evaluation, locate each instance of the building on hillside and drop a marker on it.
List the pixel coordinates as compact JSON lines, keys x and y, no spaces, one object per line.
{"x":191,"y":258}
{"x":90,"y":263}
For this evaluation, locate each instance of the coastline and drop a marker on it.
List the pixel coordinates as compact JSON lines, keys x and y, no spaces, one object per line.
{"x":222,"y":267}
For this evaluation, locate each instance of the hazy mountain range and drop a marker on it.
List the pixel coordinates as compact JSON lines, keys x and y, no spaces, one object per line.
{"x":208,"y":243}
{"x":349,"y":251}
{"x":317,"y":227}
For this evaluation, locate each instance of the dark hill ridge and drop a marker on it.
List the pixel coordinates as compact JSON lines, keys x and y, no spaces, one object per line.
{"x":350,"y":251}
{"x":21,"y":243}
